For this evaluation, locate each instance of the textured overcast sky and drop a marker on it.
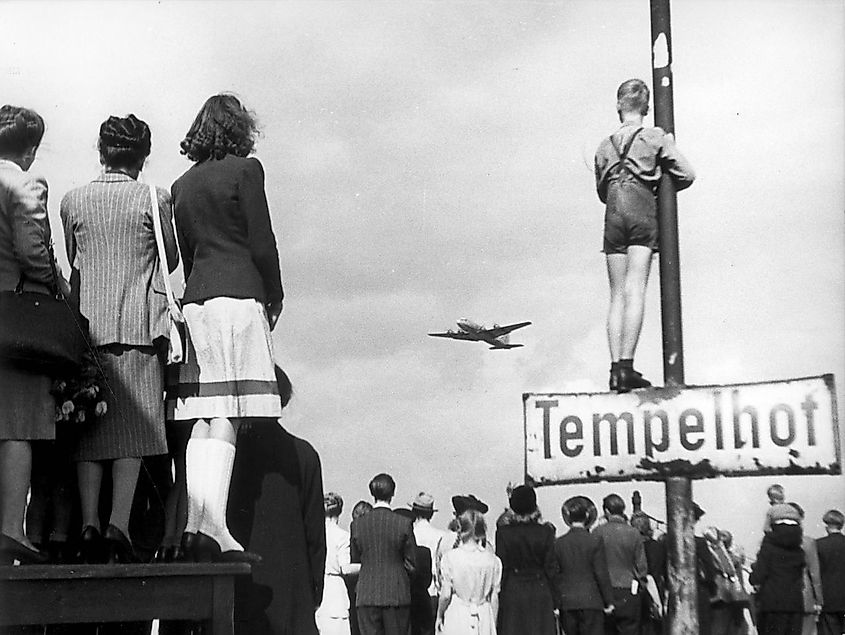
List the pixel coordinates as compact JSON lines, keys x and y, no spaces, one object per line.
{"x":432,"y":160}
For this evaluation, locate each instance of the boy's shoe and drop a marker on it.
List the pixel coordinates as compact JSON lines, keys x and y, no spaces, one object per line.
{"x":613,"y":383}
{"x":629,"y":380}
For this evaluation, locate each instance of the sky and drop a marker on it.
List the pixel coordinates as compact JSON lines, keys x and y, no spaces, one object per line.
{"x":427,"y":161}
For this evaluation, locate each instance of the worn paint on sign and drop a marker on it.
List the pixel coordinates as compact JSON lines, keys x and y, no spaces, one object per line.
{"x":782,"y":427}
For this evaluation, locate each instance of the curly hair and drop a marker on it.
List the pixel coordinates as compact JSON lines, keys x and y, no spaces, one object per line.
{"x":124,"y":142}
{"x":222,"y":126}
{"x":20,"y":129}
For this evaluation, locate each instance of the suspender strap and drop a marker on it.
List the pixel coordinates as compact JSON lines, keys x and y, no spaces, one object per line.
{"x":623,"y":156}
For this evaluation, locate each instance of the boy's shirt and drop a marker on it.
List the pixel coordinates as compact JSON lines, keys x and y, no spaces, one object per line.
{"x":651,"y":152}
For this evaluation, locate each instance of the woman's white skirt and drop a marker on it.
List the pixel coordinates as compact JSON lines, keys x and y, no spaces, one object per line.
{"x":230,"y":370}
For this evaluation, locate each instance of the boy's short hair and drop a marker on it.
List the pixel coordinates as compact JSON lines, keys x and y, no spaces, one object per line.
{"x":775,"y":492}
{"x":613,"y":504}
{"x":834,"y":518}
{"x":577,"y":510}
{"x":382,"y":487}
{"x":633,"y":96}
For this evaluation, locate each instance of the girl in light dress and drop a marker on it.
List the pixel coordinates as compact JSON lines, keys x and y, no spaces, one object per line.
{"x":471,"y":578}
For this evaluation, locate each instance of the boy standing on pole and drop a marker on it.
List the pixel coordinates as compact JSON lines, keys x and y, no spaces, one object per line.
{"x":629,"y":164}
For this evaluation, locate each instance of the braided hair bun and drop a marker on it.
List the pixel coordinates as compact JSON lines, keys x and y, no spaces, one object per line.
{"x":20,"y":129}
{"x":124,"y":142}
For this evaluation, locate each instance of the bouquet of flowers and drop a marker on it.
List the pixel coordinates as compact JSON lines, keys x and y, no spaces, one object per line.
{"x":81,"y":398}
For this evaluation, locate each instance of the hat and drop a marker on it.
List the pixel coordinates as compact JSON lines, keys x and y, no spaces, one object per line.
{"x":463,"y":503}
{"x":332,"y":502}
{"x":523,"y":500}
{"x":592,"y":512}
{"x":784,"y":512}
{"x":424,"y":502}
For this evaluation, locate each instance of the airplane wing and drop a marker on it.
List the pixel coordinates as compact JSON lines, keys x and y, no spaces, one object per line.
{"x":498,"y":331}
{"x":457,"y":336}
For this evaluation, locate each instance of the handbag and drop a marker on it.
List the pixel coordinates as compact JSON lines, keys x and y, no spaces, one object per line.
{"x":177,"y":339}
{"x":729,"y":589}
{"x":42,"y":332}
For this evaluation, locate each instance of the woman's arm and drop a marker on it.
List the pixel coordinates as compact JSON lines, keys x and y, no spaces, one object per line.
{"x":31,"y":230}
{"x":165,"y":212}
{"x":265,"y":254}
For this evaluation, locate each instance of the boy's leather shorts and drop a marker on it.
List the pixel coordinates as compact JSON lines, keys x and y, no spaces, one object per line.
{"x":630,"y":218}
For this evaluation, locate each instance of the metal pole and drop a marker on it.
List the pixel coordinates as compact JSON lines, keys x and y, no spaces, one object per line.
{"x":667,"y":200}
{"x":682,"y":613}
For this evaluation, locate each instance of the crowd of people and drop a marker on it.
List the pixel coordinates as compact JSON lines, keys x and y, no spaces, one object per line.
{"x":606,"y":574}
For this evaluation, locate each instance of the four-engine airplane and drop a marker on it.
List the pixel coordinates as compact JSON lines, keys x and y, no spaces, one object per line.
{"x":497,"y":337}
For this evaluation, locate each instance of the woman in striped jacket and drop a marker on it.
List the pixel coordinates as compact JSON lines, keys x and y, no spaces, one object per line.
{"x":110,"y":240}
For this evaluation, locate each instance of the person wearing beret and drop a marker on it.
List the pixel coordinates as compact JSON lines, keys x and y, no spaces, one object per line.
{"x":526,"y":548}
{"x":582,"y":581}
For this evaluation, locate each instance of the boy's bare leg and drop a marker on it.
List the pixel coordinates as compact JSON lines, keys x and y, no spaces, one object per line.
{"x":636,"y":281}
{"x":617,"y":268}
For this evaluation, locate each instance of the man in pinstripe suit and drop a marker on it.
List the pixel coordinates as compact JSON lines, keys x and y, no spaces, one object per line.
{"x":383,"y":542}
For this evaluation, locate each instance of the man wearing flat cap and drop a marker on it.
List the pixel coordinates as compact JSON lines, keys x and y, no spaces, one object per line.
{"x":429,"y":537}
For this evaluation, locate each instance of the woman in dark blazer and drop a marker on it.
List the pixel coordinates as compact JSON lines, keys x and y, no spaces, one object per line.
{"x":110,"y":239}
{"x":525,"y":546}
{"x":28,"y":410}
{"x":233,"y":297}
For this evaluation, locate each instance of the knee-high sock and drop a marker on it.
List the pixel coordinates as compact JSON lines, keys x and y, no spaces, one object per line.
{"x":220,"y":458}
{"x":195,"y":480}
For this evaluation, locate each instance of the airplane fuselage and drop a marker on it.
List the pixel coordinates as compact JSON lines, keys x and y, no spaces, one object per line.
{"x":473,"y":328}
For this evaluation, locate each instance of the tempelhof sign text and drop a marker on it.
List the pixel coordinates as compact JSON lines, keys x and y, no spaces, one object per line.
{"x":782,"y":427}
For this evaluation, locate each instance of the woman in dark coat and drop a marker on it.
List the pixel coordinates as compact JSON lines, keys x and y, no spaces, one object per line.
{"x":525,"y":546}
{"x":778,"y":576}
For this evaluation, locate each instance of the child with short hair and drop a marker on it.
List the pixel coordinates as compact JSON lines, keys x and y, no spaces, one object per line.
{"x":777,"y":496}
{"x":831,"y":551}
{"x":629,"y":165}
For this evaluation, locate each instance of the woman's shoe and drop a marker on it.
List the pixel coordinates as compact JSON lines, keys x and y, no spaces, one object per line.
{"x":91,"y":546}
{"x":11,"y":550}
{"x":208,"y":550}
{"x":188,"y":547}
{"x":174,"y":554}
{"x":119,"y":547}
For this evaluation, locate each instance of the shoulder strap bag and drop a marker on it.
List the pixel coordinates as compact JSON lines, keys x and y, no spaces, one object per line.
{"x":177,"y":349}
{"x":42,"y":332}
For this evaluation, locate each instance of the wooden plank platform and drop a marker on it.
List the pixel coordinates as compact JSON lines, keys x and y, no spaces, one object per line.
{"x":65,"y":594}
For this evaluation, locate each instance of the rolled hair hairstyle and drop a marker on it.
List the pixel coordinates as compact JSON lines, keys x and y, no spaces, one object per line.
{"x":124,"y":142}
{"x":222,"y":126}
{"x":20,"y":130}
{"x":632,"y":96}
{"x":472,"y":526}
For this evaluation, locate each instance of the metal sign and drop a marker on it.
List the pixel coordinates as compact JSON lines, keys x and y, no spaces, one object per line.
{"x":782,"y":427}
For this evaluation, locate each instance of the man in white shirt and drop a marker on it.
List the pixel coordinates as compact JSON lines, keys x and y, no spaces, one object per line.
{"x":429,"y":537}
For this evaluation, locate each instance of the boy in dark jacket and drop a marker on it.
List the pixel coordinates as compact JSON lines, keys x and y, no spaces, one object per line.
{"x":778,"y":577}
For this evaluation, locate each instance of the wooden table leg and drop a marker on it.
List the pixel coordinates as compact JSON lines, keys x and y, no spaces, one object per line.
{"x":222,"y":620}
